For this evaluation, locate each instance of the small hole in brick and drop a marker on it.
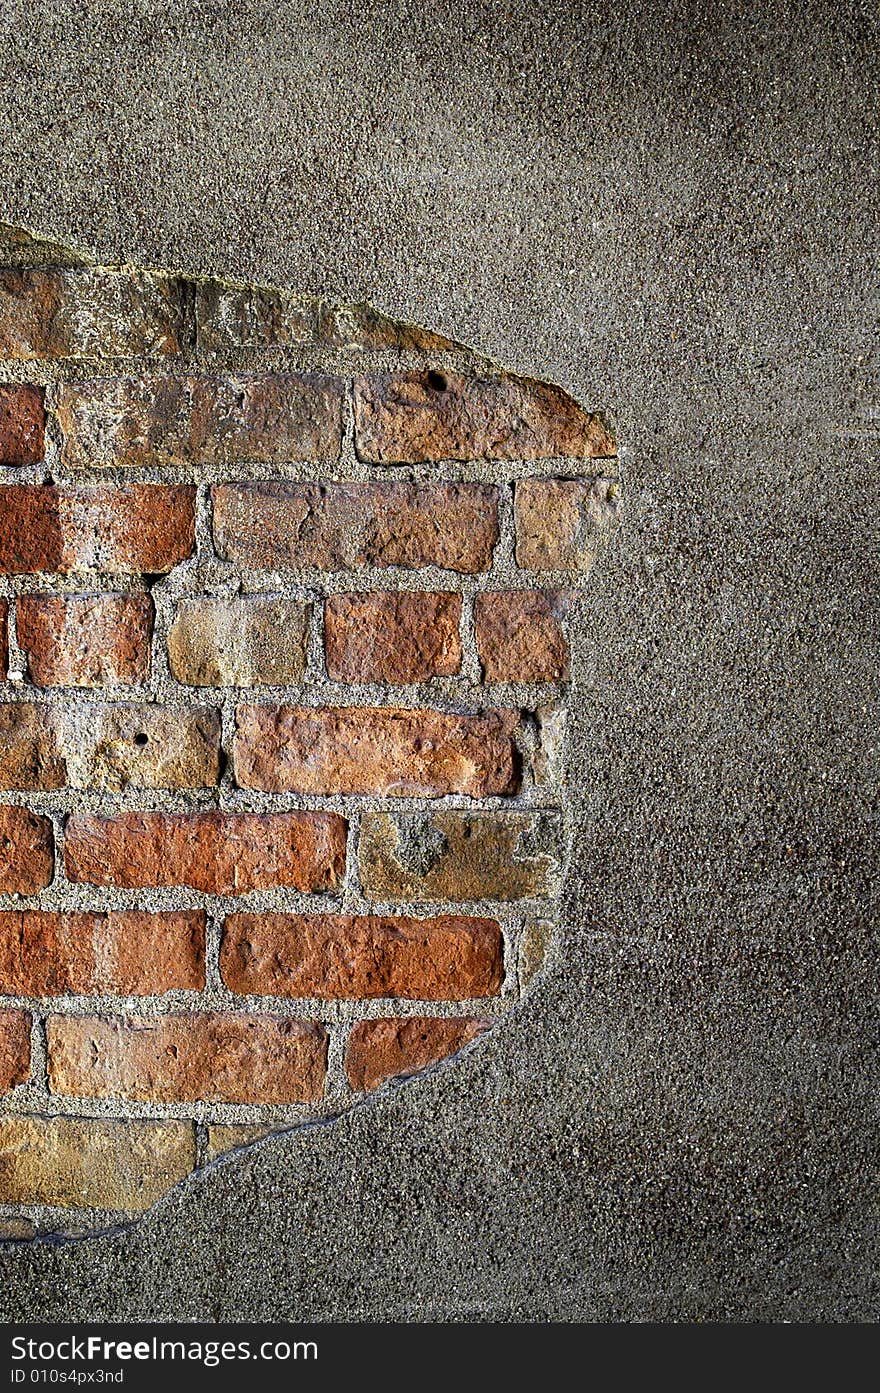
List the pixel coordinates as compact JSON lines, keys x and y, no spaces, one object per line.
{"x":436,"y":381}
{"x":141,"y":738}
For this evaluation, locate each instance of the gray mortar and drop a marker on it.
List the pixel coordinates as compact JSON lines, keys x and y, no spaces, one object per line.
{"x":670,"y":215}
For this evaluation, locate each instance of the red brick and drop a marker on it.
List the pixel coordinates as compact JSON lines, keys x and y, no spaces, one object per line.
{"x":388,"y":637}
{"x":345,"y":527}
{"x":22,"y":422}
{"x":266,"y":417}
{"x":335,"y":956}
{"x":413,"y":754}
{"x":27,"y":856}
{"x":30,"y":755}
{"x":89,"y":313}
{"x":364,"y":328}
{"x":398,"y":1046}
{"x":15,"y":1049}
{"x":216,"y":852}
{"x":187,"y":1058}
{"x":119,"y":953}
{"x":520,"y":637}
{"x":85,"y":640}
{"x":142,"y":528}
{"x":426,"y":416}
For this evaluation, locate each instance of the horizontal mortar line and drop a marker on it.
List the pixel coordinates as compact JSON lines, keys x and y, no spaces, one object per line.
{"x":122,"y":1109}
{"x":329,"y":1012}
{"x":81,"y":897}
{"x":96,"y":802}
{"x":335,"y":695}
{"x":327,"y":470}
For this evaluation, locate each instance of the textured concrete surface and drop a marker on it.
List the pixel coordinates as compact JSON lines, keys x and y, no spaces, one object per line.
{"x":671,"y":215}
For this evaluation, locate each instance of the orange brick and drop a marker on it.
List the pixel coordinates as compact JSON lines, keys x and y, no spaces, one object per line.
{"x":336,"y":956}
{"x":216,"y":852}
{"x":27,"y":854}
{"x":120,"y":953}
{"x":397,"y":1046}
{"x":422,"y":754}
{"x":187,"y":1058}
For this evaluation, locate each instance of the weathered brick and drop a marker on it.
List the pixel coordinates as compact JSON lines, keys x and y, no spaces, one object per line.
{"x":89,"y":313}
{"x":15,"y":1049}
{"x":85,"y":640}
{"x":118,"y":953}
{"x":241,"y":641}
{"x":362,"y":327}
{"x":22,"y":422}
{"x":398,"y":1046}
{"x":520,"y":635}
{"x":229,"y":1136}
{"x":216,"y":852}
{"x":139,"y":745}
{"x":187,"y":1058}
{"x":80,"y":1162}
{"x":561,"y":524}
{"x":417,"y":417}
{"x":416,"y":754}
{"x":4,"y":639}
{"x":459,"y":856}
{"x":388,"y":637}
{"x":229,"y":317}
{"x":345,"y":527}
{"x":27,"y":856}
{"x":141,"y":528}
{"x":334,"y":956}
{"x":265,"y":417}
{"x":30,"y":755}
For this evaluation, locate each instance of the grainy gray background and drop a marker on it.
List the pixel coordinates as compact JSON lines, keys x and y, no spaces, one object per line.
{"x":670,"y":210}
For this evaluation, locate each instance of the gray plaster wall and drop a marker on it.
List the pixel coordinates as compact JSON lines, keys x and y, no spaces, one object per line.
{"x":671,"y":211}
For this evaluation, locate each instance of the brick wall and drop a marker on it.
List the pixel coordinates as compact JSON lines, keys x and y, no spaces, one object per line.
{"x":283,"y":628}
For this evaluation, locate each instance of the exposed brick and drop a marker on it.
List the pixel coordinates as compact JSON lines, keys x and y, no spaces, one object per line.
{"x":520,"y":636}
{"x":217,"y":852}
{"x":141,"y":528}
{"x":233,"y":317}
{"x":4,"y":639}
{"x":534,"y":948}
{"x":388,"y":637}
{"x":265,"y":417}
{"x":22,"y":422}
{"x":343,"y":527}
{"x":15,"y":1049}
{"x":85,"y":640}
{"x":90,"y":313}
{"x":229,"y":317}
{"x":397,"y":1046}
{"x":139,"y":745}
{"x":187,"y":1058}
{"x":30,"y":757}
{"x":362,"y":327}
{"x":242,"y":641}
{"x":26,"y":851}
{"x":81,"y":1162}
{"x":118,"y":953}
{"x":416,"y":417}
{"x":418,"y":754}
{"x":561,"y":524}
{"x":223,"y":1137}
{"x":459,"y":856}
{"x":334,"y":956}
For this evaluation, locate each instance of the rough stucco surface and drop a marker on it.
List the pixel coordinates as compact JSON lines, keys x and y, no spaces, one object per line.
{"x":670,"y":217}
